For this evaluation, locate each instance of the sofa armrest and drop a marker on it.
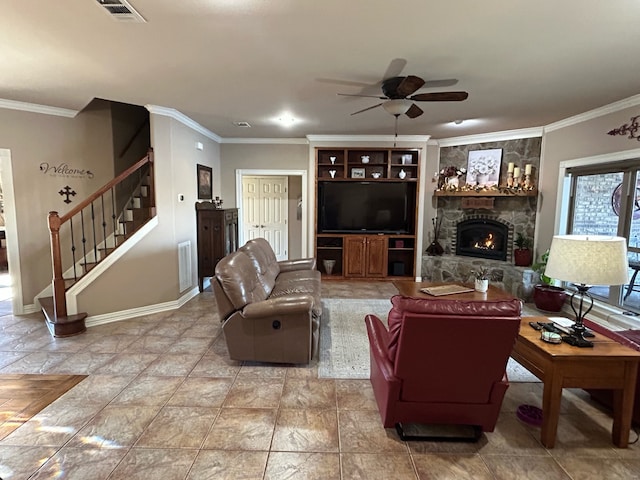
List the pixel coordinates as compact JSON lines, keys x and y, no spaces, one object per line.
{"x":378,"y":341}
{"x":285,"y":305}
{"x":297,"y":264}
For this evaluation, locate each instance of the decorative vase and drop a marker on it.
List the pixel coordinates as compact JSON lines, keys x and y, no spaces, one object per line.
{"x":522,"y":257}
{"x":333,"y":160}
{"x":482,"y":179}
{"x":549,"y":298}
{"x":435,"y":249}
{"x":482,"y":285}
{"x":402,"y":174}
{"x":332,"y":173}
{"x":328,"y":266}
{"x":364,"y":158}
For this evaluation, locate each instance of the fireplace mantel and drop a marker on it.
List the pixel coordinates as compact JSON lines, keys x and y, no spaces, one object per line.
{"x":484,"y":193}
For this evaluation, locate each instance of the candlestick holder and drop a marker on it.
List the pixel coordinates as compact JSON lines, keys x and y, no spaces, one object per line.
{"x":527,"y":182}
{"x":509,"y":179}
{"x":516,"y":182}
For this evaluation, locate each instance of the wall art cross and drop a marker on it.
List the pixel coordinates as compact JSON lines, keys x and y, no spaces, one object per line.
{"x":633,"y":129}
{"x":68,"y":192}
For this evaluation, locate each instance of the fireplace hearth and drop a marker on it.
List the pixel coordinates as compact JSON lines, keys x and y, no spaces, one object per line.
{"x":482,"y":238}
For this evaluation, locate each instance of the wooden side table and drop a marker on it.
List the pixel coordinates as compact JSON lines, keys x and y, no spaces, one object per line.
{"x":608,"y":365}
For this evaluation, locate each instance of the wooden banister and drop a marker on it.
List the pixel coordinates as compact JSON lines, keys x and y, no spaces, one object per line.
{"x":108,"y":186}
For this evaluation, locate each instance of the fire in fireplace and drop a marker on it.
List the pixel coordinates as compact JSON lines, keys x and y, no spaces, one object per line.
{"x":482,"y":238}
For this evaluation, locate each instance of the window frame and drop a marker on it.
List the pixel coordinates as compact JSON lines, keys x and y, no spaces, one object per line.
{"x":626,"y":162}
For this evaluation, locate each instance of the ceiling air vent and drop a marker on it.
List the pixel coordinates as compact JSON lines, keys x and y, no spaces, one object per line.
{"x":242,"y":124}
{"x":121,"y":10}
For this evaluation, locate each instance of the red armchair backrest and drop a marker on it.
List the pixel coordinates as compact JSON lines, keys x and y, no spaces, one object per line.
{"x":451,"y":350}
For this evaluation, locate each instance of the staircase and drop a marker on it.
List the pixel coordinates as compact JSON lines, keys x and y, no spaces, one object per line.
{"x":85,"y":236}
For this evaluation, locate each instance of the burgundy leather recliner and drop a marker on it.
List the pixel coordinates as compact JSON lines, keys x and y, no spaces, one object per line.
{"x":442,"y":361}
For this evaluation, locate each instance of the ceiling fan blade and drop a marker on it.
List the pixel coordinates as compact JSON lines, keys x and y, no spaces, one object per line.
{"x":446,"y":82}
{"x":348,"y":83}
{"x":440,"y":97}
{"x":395,"y":68}
{"x":414,"y":111}
{"x":359,"y":95}
{"x":365,"y":109}
{"x":409,"y":85}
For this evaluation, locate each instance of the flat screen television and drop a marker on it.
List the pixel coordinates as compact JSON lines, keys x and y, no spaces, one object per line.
{"x":366,"y":207}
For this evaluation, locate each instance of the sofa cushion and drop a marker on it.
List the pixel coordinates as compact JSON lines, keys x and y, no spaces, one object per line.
{"x":264,"y":260}
{"x":470,"y":308}
{"x":239,"y":280}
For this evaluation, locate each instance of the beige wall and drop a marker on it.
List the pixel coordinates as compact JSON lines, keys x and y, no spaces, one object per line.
{"x":585,"y":139}
{"x":242,"y":156}
{"x":295,"y":224}
{"x":83,"y":142}
{"x":148,"y":274}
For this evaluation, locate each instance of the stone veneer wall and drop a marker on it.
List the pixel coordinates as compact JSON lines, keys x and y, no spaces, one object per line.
{"x":519,"y":281}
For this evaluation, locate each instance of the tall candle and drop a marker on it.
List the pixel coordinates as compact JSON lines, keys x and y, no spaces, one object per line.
{"x":516,"y":172}
{"x":527,"y":169}
{"x":510,"y":169}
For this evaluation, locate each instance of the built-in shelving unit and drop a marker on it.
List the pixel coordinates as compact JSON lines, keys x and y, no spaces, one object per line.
{"x":367,"y":254}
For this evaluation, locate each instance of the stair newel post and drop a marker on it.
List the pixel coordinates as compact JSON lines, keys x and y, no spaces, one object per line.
{"x":59,"y":296}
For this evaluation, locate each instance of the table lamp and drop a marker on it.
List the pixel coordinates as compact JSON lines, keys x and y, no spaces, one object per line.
{"x":587,"y":260}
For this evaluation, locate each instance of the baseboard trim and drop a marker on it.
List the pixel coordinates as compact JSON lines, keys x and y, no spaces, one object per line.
{"x":95,"y":320}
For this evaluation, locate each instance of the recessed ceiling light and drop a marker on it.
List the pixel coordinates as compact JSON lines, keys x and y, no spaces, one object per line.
{"x":286,"y":120}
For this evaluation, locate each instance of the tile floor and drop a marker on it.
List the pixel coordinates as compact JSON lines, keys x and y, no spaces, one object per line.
{"x":162,"y":401}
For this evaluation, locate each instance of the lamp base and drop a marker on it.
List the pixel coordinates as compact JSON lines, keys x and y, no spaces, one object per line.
{"x":577,"y":341}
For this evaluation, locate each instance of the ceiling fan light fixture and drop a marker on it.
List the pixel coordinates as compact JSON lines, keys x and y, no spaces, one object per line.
{"x":397,"y":106}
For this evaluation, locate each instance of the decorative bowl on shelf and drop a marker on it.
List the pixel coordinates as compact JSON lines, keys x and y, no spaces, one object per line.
{"x":364,"y":158}
{"x":376,"y":174}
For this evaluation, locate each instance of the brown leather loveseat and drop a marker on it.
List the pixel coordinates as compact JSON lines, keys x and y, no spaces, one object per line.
{"x":270,"y":309}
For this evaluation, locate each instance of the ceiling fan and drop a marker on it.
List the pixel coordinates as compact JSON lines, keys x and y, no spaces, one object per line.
{"x":399,"y":99}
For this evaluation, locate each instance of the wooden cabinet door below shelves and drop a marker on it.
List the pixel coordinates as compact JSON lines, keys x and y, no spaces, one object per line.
{"x":376,"y":256}
{"x":355,"y":259}
{"x":365,"y":256}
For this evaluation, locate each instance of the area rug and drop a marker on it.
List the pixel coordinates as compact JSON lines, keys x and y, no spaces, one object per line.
{"x":344,"y":346}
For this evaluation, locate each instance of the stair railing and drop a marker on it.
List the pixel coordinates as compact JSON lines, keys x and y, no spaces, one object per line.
{"x":93,"y":231}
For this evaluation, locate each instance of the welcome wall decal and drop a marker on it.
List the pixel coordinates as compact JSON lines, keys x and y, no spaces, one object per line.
{"x":64,"y":170}
{"x":633,"y":129}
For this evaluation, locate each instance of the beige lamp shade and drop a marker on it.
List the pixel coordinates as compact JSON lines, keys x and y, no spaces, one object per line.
{"x":588,"y":259}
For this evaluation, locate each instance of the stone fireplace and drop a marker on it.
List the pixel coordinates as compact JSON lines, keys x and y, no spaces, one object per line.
{"x":483,"y":237}
{"x":478,"y":233}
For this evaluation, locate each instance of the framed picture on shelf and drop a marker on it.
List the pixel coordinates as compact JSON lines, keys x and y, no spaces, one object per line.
{"x":357,"y":173}
{"x":205,"y":182}
{"x":483,"y":167}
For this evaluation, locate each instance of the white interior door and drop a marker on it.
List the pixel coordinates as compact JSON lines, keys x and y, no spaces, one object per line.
{"x":264,"y":201}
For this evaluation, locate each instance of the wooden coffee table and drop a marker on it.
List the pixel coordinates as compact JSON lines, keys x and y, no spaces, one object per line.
{"x":409,"y":288}
{"x":608,"y":365}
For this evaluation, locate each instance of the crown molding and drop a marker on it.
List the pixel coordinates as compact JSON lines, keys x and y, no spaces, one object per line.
{"x":492,"y":137}
{"x":274,"y":141}
{"x":35,"y":108}
{"x":368,"y":138}
{"x":595,"y":113}
{"x":182,"y":118}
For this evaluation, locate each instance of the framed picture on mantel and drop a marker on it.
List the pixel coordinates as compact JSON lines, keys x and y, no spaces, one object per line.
{"x":205,"y":182}
{"x":483,"y":167}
